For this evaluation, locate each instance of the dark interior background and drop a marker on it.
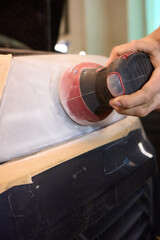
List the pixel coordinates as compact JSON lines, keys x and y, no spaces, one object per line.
{"x":30,"y":24}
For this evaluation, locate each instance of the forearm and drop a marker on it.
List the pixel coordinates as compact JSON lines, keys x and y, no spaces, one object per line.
{"x":155,"y":35}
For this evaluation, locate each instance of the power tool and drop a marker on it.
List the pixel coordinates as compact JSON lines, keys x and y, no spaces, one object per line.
{"x":86,"y":89}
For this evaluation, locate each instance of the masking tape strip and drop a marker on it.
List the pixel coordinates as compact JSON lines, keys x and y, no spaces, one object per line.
{"x":18,"y":172}
{"x":5,"y":61}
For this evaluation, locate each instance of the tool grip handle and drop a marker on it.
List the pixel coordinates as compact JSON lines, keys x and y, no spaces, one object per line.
{"x":128,"y":73}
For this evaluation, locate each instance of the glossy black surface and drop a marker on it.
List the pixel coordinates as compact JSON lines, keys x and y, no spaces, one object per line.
{"x":65,"y":200}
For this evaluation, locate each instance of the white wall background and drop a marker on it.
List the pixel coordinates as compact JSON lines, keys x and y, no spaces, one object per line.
{"x":96,"y":26}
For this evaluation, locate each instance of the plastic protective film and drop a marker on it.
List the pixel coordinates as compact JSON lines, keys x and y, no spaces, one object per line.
{"x":31,"y":116}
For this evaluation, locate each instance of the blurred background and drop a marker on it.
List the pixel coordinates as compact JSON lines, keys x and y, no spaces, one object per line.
{"x":75,"y":26}
{"x":96,"y":26}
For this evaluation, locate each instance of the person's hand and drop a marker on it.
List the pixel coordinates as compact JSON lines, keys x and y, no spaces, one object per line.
{"x":147,"y":99}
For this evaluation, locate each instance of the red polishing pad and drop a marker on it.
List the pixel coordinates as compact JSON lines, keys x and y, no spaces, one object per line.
{"x":71,"y":97}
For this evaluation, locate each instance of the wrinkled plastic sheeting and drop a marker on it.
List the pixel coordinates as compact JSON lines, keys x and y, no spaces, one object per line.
{"x":31,"y":116}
